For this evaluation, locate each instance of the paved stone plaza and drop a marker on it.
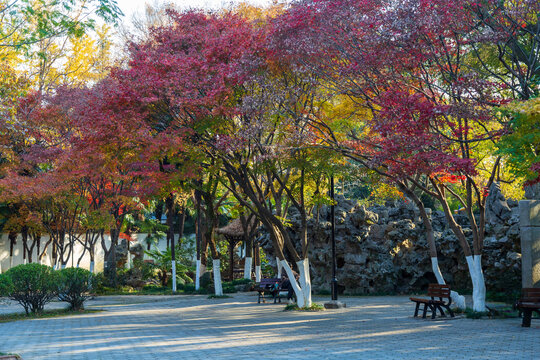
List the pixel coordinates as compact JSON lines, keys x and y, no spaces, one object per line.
{"x":194,"y":327}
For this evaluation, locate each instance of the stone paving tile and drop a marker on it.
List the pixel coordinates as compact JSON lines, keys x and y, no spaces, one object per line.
{"x":194,"y":327}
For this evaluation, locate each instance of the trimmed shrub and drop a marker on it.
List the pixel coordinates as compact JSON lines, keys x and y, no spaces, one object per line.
{"x":206,"y":281}
{"x":74,"y":285}
{"x":31,"y":285}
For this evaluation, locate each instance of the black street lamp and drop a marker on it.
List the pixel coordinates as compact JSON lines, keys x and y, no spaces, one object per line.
{"x":333,"y":238}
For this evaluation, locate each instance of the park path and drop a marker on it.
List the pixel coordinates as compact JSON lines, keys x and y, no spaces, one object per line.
{"x":194,"y":327}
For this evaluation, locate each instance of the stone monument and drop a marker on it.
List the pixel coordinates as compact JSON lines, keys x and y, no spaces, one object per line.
{"x":529,"y":223}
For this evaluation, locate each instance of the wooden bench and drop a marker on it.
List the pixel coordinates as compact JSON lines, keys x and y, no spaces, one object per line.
{"x":529,"y":302}
{"x":268,"y":286}
{"x":439,"y":300}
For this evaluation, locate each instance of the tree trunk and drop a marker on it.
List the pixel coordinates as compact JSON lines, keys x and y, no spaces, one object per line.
{"x":198,"y":234}
{"x":110,"y":258}
{"x":458,"y":300}
{"x":12,"y":242}
{"x":257,"y":256}
{"x":475,"y":267}
{"x":479,"y":286}
{"x":216,"y":264}
{"x":231,"y":256}
{"x":302,"y":288}
{"x":279,"y":268}
{"x":181,"y":223}
{"x":248,"y":265}
{"x":169,"y":212}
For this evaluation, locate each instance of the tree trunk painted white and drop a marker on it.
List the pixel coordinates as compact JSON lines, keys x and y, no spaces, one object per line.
{"x":457,"y":300}
{"x":305,"y":281}
{"x":198,"y":275}
{"x":302,"y":290}
{"x":216,"y":264}
{"x":279,"y":268}
{"x":63,"y":266}
{"x":479,"y":286}
{"x":128,"y":262}
{"x":0,"y":266}
{"x":437,"y":271}
{"x":258,"y":273}
{"x":173,"y":263}
{"x":25,"y":261}
{"x":248,"y":263}
{"x":92,"y":265}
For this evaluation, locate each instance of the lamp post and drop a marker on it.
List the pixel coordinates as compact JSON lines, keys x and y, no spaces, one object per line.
{"x":333,"y":238}
{"x":334,"y":303}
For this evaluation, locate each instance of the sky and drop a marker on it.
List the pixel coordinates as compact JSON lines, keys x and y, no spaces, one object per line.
{"x":129,"y":7}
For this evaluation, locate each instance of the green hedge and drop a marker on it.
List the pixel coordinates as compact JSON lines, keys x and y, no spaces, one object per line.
{"x":31,"y":285}
{"x":74,"y":286}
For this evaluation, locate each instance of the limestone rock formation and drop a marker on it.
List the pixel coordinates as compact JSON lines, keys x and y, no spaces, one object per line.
{"x":383,"y":249}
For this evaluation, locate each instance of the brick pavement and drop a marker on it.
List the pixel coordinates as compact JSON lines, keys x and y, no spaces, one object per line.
{"x":194,"y":327}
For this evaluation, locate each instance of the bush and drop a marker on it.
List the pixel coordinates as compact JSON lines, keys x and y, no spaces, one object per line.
{"x":228,"y":289}
{"x":74,"y":286}
{"x":206,"y":280}
{"x":241,"y":281}
{"x":508,"y":297}
{"x":31,"y":285}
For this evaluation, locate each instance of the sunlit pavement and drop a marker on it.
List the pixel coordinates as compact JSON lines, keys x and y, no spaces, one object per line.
{"x":194,"y":327}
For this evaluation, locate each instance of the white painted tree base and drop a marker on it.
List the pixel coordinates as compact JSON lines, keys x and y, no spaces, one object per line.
{"x":216,"y":265}
{"x":92,"y":265}
{"x":257,"y":273}
{"x":302,"y":289}
{"x":279,"y":268}
{"x":198,"y":274}
{"x":457,"y":300}
{"x":479,"y":286}
{"x":173,"y":271}
{"x":248,"y":264}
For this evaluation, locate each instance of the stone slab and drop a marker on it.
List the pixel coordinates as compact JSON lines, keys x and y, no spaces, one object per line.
{"x":334,"y":304}
{"x":530,"y":256}
{"x":529,"y":213}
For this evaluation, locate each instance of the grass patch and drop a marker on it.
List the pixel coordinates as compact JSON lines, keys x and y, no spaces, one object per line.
{"x":505,"y":312}
{"x":471,"y":314}
{"x":128,"y":290}
{"x":313,"y":307}
{"x":508,"y":297}
{"x":218,"y":296}
{"x":45,"y":314}
{"x":150,"y":290}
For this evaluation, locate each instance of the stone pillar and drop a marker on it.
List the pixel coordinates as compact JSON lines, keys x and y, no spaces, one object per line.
{"x":529,"y":223}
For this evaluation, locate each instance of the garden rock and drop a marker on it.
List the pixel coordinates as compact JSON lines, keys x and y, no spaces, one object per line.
{"x":383,"y":249}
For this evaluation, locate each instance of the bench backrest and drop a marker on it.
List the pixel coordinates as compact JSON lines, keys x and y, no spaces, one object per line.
{"x":530,"y":294}
{"x":268,"y":282}
{"x":440,"y":291}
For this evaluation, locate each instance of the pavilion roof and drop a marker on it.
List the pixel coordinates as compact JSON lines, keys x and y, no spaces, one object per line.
{"x":233,"y":229}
